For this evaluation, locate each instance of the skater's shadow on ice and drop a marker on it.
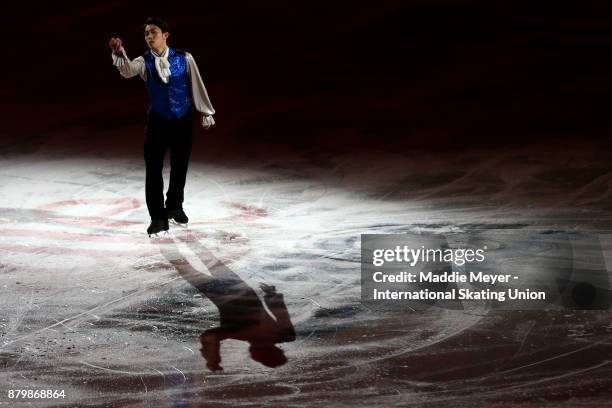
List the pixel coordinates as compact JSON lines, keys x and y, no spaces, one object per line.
{"x":243,"y":315}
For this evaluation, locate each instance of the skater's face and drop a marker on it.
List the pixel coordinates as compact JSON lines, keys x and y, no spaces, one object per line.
{"x":156,"y":40}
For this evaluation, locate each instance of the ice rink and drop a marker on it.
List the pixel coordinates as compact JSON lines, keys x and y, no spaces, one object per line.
{"x":92,"y":306}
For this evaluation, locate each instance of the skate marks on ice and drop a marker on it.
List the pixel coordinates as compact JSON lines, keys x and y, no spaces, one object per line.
{"x":512,"y":357}
{"x":146,"y":345}
{"x":36,"y":355}
{"x":333,"y":349}
{"x":116,"y":342}
{"x":341,"y":347}
{"x":57,"y":238}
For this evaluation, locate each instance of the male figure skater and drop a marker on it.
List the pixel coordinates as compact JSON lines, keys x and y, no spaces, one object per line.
{"x":173,"y":82}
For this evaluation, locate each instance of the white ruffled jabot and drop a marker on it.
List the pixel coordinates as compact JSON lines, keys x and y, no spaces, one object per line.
{"x":162,"y":65}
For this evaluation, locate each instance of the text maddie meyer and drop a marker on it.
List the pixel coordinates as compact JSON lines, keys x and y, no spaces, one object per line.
{"x":445,"y":277}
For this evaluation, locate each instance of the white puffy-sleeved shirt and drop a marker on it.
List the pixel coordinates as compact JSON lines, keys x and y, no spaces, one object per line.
{"x":130,"y":68}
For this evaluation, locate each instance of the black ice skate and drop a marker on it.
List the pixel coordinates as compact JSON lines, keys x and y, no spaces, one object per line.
{"x":157,"y":225}
{"x":177,"y":216}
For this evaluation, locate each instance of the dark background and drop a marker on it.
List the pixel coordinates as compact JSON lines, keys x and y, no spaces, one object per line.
{"x":326,"y":74}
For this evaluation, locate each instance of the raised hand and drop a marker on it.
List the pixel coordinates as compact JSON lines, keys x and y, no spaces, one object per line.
{"x":115,"y":45}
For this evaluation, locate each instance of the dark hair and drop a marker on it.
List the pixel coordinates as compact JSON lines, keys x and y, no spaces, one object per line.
{"x":163,"y":26}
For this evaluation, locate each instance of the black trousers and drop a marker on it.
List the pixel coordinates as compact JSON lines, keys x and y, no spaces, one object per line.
{"x":162,"y":135}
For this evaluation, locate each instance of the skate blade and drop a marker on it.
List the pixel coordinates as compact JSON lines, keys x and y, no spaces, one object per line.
{"x":178,"y":224}
{"x":160,"y":235}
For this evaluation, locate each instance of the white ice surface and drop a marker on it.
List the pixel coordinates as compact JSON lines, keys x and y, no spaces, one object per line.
{"x":89,"y":302}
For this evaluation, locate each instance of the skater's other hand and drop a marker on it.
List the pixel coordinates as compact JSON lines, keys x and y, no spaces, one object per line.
{"x":115,"y":45}
{"x":207,"y":122}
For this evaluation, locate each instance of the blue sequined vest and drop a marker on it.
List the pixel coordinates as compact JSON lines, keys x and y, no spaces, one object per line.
{"x":173,"y":98}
